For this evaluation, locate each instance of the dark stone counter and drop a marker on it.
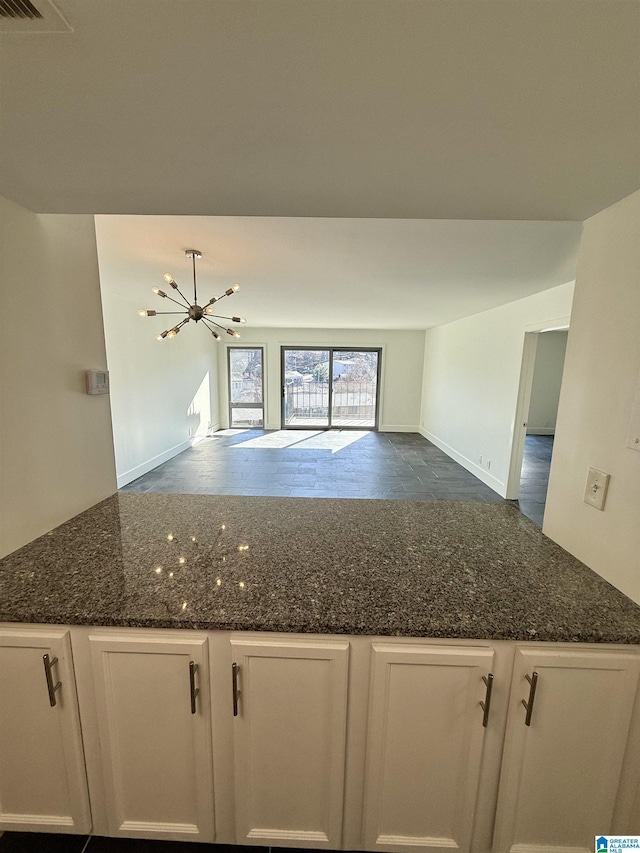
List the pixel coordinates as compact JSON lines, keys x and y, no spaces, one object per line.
{"x":395,"y":568}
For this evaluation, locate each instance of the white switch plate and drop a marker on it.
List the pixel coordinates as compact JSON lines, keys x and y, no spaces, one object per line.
{"x":595,"y":492}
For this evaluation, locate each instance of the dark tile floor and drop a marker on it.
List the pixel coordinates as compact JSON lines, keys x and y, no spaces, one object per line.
{"x":337,"y":464}
{"x":534,"y":479}
{"x":307,"y":463}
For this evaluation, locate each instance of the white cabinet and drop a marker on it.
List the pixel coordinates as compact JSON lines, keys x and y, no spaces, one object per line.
{"x":289,"y":736}
{"x":425,"y":746}
{"x":153,"y":708}
{"x":43,"y":787}
{"x":561,"y":772}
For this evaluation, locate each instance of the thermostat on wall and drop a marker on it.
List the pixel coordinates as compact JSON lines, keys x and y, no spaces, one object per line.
{"x":97,"y":381}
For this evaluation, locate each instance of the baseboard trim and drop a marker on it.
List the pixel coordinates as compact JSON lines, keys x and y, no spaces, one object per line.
{"x":398,"y":428}
{"x":144,"y":467}
{"x":487,"y":478}
{"x":541,"y":431}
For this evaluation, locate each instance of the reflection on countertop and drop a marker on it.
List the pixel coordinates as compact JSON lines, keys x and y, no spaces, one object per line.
{"x":394,"y":568}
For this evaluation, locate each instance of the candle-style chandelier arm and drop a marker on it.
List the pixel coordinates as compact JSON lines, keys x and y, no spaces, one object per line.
{"x":229,"y":292}
{"x":209,"y":321}
{"x":174,"y":284}
{"x":207,"y":325}
{"x":164,"y":295}
{"x":222,"y":317}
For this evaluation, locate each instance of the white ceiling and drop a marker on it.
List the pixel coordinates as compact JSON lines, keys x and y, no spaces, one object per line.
{"x":438,"y":109}
{"x":338,"y":273}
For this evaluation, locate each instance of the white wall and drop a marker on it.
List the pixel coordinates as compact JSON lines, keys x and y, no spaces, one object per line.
{"x":164,"y":394}
{"x":602,"y":369}
{"x":402,"y":358}
{"x":547,"y":379}
{"x":56,"y":450}
{"x":471,"y":380}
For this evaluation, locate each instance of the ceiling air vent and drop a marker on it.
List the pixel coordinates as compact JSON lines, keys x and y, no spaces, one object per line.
{"x":23,"y":16}
{"x":18,"y":9}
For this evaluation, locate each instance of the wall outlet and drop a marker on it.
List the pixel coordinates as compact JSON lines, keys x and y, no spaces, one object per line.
{"x":595,"y":492}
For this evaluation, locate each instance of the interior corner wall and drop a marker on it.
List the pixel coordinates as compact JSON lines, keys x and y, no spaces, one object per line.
{"x":56,"y":448}
{"x":164,"y":395}
{"x":547,"y":380}
{"x":472,"y":377}
{"x":400,"y":381}
{"x":601,"y":380}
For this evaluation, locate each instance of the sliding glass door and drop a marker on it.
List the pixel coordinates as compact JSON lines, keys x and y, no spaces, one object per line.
{"x":328,"y":388}
{"x":305,"y":387}
{"x":246,"y":391}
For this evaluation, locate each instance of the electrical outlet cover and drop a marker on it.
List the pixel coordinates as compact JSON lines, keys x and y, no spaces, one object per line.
{"x":595,"y":492}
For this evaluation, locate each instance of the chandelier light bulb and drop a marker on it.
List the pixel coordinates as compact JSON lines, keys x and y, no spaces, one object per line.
{"x":149,"y":312}
{"x":159,"y":292}
{"x":233,"y":333}
{"x":238,"y":320}
{"x":209,"y":309}
{"x":232,"y":290}
{"x":168,"y":278}
{"x":215,"y":335}
{"x":235,"y":288}
{"x":162,"y":336}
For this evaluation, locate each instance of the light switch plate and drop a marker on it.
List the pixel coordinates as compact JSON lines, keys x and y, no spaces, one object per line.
{"x":595,"y":492}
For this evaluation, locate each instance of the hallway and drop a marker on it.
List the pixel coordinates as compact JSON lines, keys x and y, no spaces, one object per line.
{"x":534,"y":479}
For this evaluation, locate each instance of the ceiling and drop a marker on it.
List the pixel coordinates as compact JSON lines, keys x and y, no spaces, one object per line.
{"x":410,"y":109}
{"x":337,"y":273}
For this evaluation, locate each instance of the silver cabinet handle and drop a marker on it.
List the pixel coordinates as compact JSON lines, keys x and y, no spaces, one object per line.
{"x":193,"y":668}
{"x":533,"y":682}
{"x":51,"y":687}
{"x":486,"y":705}
{"x":236,"y":693}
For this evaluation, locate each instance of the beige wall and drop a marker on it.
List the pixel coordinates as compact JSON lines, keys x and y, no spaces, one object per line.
{"x":56,"y":449}
{"x":401,"y":380}
{"x":164,"y":394}
{"x":471,"y":381}
{"x":602,"y":369}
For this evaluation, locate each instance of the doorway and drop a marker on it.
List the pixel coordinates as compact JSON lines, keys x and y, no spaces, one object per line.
{"x":330,"y":387}
{"x":541,"y":378}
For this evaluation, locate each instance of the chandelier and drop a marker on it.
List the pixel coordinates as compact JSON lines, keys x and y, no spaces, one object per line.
{"x":193,"y":311}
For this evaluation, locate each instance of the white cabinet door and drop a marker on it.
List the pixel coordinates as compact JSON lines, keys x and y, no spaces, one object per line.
{"x":560,"y":774}
{"x":43,"y":786}
{"x":289,"y":737}
{"x":425,"y":745}
{"x":155,"y":738}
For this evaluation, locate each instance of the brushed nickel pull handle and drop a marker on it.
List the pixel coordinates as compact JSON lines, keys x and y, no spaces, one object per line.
{"x":486,"y":705}
{"x":236,"y":693}
{"x":193,"y":668}
{"x":51,"y":687}
{"x":533,"y":681}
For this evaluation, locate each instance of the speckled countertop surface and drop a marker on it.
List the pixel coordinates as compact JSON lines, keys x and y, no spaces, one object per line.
{"x":430,"y":569}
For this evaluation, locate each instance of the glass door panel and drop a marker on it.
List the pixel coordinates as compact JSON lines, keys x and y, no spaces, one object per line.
{"x":305,"y":387}
{"x":354,"y":398}
{"x":246,"y":396}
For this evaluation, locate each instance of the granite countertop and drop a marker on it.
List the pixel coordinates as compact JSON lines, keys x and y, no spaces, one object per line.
{"x":395,"y":568}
